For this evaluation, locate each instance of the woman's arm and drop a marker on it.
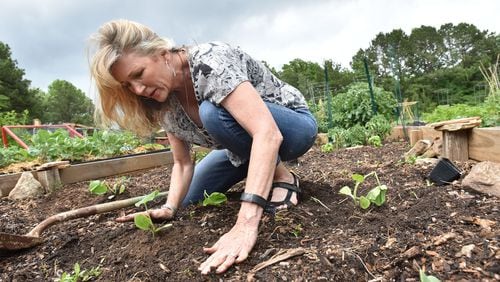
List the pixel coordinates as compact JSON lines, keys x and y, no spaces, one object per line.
{"x":250,"y":111}
{"x":182,"y":171}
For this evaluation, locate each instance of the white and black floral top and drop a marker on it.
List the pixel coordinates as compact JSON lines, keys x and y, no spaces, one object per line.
{"x":216,"y":70}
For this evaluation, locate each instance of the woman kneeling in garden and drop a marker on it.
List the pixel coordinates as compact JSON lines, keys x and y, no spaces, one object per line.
{"x":215,"y":96}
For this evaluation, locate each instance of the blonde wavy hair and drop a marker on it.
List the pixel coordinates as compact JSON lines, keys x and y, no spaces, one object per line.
{"x":116,"y":105}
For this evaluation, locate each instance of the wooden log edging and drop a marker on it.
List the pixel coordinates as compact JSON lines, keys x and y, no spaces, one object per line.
{"x":483,"y":143}
{"x":95,"y":169}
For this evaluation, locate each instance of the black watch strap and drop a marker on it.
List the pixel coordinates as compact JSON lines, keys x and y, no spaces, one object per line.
{"x":254,"y":198}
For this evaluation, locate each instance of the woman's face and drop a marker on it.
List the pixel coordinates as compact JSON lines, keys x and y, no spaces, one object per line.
{"x":146,"y":76}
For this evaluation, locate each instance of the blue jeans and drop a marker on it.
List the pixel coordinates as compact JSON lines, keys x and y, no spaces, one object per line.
{"x":215,"y":173}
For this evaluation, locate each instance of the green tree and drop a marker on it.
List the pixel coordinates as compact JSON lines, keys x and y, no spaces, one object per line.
{"x":425,"y":53}
{"x":433,"y":66}
{"x":66,"y":103}
{"x":14,"y":89}
{"x":301,"y":74}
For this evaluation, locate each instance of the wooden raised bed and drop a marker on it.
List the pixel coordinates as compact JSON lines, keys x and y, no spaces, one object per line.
{"x":483,"y":143}
{"x":92,"y":170}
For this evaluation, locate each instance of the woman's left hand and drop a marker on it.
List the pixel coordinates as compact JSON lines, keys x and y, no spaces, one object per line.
{"x":232,"y":247}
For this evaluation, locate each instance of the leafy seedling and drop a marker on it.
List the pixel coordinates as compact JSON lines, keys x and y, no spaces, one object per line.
{"x":143,"y":221}
{"x":98,"y":187}
{"x":427,"y":278}
{"x":327,"y":148}
{"x":376,"y":195}
{"x":375,"y":141}
{"x":214,"y":199}
{"x":148,"y":198}
{"x":80,"y":275}
{"x":297,"y":230}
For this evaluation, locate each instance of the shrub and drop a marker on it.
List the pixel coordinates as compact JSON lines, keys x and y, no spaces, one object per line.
{"x":354,"y":106}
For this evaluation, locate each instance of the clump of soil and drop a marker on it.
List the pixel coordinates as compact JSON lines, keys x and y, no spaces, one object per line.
{"x":450,"y":232}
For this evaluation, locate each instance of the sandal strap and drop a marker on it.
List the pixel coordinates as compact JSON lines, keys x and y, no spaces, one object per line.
{"x":291,"y":188}
{"x":253,"y":198}
{"x":288,"y":186}
{"x":260,"y":201}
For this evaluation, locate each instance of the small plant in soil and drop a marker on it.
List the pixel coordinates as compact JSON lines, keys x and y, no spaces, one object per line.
{"x":144,"y":221}
{"x":214,"y":199}
{"x":427,"y":278}
{"x":375,"y":141}
{"x":327,"y":148}
{"x":297,"y":230}
{"x":80,"y":275}
{"x":98,"y":187}
{"x":376,"y":195}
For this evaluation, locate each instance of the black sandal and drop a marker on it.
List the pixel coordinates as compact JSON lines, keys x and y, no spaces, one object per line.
{"x":292,"y":188}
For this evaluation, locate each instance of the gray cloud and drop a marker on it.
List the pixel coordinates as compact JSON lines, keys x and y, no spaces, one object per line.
{"x":48,"y":38}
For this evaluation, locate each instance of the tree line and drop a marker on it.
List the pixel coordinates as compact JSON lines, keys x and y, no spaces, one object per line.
{"x":20,"y":103}
{"x":430,"y":65}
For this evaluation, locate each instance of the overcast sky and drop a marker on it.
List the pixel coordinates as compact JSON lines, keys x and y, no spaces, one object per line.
{"x":48,"y":38}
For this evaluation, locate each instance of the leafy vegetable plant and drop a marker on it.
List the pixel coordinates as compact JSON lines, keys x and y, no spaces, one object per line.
{"x":214,"y":199}
{"x":375,"y":141}
{"x":327,"y":148}
{"x":99,"y":187}
{"x":425,"y":278}
{"x":80,"y":275}
{"x":144,"y":221}
{"x":376,"y":195}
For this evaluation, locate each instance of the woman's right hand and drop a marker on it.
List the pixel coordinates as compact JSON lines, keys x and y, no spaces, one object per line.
{"x":155,"y":215}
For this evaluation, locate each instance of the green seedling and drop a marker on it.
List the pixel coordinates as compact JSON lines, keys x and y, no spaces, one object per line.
{"x":143,"y":221}
{"x":297,"y":230}
{"x":425,"y":278}
{"x":375,"y":141}
{"x":411,"y":160}
{"x":98,"y":187}
{"x":80,"y":275}
{"x":148,"y":198}
{"x":214,"y":199}
{"x":327,"y":148}
{"x":376,"y":195}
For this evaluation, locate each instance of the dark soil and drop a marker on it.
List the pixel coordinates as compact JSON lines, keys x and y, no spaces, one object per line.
{"x":450,"y":232}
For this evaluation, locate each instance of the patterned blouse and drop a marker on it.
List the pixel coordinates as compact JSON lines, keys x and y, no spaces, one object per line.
{"x":216,"y":70}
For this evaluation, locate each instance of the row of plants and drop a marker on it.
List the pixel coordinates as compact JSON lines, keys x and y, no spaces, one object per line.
{"x":45,"y":146}
{"x":355,"y":120}
{"x":489,"y":111}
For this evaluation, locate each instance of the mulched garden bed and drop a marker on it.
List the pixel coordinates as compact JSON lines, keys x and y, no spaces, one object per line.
{"x":449,"y":231}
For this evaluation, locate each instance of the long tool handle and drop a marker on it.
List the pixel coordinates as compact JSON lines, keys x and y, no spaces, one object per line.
{"x":85,"y":211}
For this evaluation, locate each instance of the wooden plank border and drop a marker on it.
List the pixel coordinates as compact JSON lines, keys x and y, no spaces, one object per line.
{"x":99,"y":169}
{"x":483,"y":143}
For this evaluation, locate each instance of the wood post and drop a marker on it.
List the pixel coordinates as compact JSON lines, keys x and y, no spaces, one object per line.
{"x":456,"y":145}
{"x":50,"y":179}
{"x":48,"y":175}
{"x":415,"y":135}
{"x":456,"y":137}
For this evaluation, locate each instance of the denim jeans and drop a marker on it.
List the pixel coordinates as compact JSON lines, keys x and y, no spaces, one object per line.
{"x":215,"y":173}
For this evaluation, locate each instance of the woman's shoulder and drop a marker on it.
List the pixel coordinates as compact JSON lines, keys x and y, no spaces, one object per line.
{"x":213,"y":48}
